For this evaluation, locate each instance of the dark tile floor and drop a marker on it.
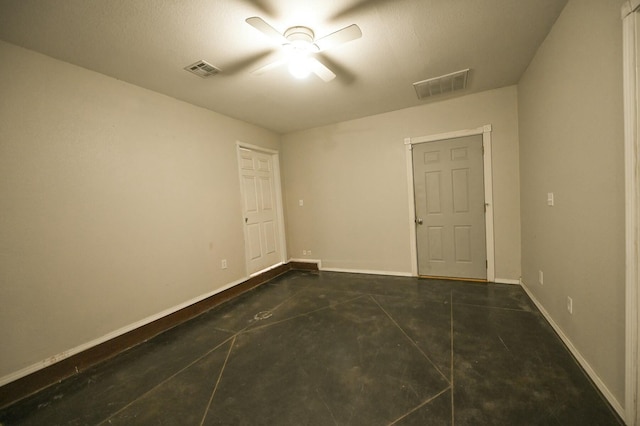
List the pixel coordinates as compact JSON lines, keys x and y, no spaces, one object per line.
{"x":324,"y":348}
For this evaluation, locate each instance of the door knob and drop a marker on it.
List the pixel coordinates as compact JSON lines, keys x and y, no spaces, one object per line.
{"x":418,"y":221}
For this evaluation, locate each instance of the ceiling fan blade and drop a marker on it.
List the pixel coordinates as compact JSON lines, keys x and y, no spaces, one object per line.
{"x":344,"y":35}
{"x":266,"y":29}
{"x":269,"y":67}
{"x":360,"y":7}
{"x":320,"y":70}
{"x":261,"y":6}
{"x":347,"y":77}
{"x":240,"y":64}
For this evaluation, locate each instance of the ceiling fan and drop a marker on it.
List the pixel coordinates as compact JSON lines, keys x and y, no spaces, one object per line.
{"x":300,"y":45}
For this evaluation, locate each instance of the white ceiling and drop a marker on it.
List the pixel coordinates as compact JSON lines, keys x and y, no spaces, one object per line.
{"x":149,"y":42}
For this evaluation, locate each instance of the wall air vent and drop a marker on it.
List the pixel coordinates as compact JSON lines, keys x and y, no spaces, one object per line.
{"x":202,"y":69}
{"x":441,"y":85}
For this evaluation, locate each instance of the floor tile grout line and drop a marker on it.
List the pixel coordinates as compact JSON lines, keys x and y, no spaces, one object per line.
{"x":290,"y":297}
{"x":335,"y":422}
{"x":310,"y":285}
{"x":432,"y":298}
{"x":215,"y":388}
{"x":422,"y":404}
{"x":248,"y":327}
{"x":271,"y":309}
{"x":451,"y":378}
{"x":279,"y":305}
{"x":304,"y":294}
{"x":224,"y":330}
{"x":133,"y":401}
{"x":409,"y":338}
{"x":247,"y":330}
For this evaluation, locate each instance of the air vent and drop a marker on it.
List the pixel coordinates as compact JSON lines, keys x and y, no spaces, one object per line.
{"x":202,"y":69}
{"x":440,"y":85}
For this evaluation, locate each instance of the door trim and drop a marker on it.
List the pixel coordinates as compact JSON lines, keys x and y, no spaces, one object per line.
{"x":275,"y":157}
{"x":485,"y":131}
{"x":632,"y":210}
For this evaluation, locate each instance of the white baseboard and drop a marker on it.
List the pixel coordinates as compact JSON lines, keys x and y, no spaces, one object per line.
{"x":73,"y":351}
{"x":386,"y":273}
{"x":370,"y":272}
{"x":583,"y":362}
{"x":506,"y":281}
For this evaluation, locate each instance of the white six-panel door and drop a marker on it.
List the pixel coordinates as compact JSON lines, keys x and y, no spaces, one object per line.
{"x":259,"y":209}
{"x":450,"y":207}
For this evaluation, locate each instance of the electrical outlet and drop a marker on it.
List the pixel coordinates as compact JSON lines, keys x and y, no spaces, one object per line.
{"x":301,"y":202}
{"x":540,"y":277}
{"x":570,"y":305}
{"x":308,"y":252}
{"x":223,"y":264}
{"x":550,"y":201}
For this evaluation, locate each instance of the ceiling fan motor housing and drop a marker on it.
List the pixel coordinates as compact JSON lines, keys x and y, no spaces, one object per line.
{"x":301,"y":38}
{"x":300,"y":46}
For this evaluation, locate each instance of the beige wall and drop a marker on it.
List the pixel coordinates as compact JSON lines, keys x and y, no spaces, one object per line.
{"x":117,"y":203}
{"x":571,"y":143}
{"x":352,"y":177}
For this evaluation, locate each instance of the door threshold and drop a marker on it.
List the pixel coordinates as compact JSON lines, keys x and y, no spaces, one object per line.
{"x":435,"y":277}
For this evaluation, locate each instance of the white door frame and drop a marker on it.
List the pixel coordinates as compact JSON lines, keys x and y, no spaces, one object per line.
{"x":485,"y":131}
{"x":275,"y":157}
{"x":632,"y":208}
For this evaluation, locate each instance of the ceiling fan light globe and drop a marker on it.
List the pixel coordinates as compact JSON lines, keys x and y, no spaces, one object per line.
{"x":300,"y":68}
{"x":300,"y":44}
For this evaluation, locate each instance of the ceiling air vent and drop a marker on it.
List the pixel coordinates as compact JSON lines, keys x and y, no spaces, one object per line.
{"x":202,"y":69}
{"x":441,"y":85}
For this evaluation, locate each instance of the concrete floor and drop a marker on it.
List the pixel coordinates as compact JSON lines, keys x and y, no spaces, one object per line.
{"x":321,"y":348}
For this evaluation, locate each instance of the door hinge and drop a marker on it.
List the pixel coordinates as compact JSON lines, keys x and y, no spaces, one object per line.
{"x":486,"y":264}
